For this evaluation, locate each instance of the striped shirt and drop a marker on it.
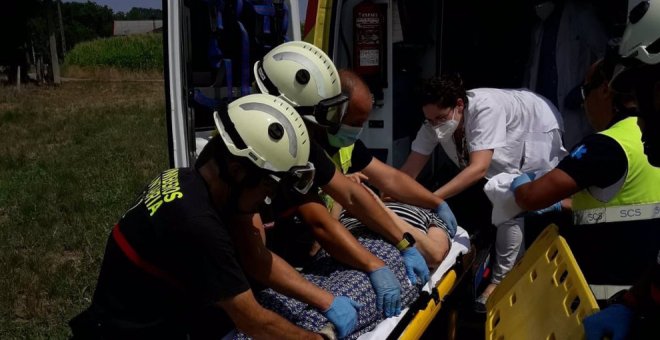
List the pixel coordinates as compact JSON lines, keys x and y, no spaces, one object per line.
{"x":419,"y":218}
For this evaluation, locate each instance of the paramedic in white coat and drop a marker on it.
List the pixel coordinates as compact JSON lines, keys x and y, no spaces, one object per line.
{"x":487,"y":132}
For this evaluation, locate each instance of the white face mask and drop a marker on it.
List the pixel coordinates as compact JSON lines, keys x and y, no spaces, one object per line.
{"x":543,"y":10}
{"x":447,"y":128}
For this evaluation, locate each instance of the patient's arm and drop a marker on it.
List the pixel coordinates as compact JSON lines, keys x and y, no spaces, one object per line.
{"x":433,"y":246}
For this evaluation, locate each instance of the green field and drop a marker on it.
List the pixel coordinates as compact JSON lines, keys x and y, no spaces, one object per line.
{"x":72,"y":158}
{"x":142,"y":52}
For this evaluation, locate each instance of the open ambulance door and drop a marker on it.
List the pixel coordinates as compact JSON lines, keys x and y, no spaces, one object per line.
{"x":208,"y":57}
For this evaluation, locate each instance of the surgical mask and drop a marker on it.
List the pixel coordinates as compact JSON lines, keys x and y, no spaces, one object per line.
{"x":544,"y":9}
{"x":447,"y":128}
{"x":345,"y":136}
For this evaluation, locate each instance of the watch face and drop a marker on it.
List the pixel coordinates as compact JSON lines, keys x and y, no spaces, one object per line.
{"x":409,"y":238}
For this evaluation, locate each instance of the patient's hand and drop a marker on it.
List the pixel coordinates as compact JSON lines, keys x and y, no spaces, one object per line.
{"x":358,"y":177}
{"x":385,"y":198}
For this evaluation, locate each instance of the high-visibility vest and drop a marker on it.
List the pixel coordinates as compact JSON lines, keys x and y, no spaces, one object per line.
{"x":639,"y":196}
{"x":342,"y":160}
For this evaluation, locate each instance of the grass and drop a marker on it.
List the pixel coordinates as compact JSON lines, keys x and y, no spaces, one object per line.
{"x":72,"y":158}
{"x":105,"y":73}
{"x":142,"y":52}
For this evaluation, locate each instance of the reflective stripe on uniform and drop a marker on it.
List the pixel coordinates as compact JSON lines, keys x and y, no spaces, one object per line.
{"x":639,"y":196}
{"x":140,"y":262}
{"x":604,"y":292}
{"x":621,"y":213}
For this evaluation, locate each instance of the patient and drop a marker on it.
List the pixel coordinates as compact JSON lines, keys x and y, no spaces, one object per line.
{"x":430,"y":232}
{"x":432,"y":240}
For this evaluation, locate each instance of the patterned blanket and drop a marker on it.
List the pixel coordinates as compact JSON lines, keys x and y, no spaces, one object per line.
{"x":341,"y":280}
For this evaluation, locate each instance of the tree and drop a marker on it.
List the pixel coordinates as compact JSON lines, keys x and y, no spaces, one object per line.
{"x":26,"y":25}
{"x":16,"y":33}
{"x":138,"y":13}
{"x":86,"y":21}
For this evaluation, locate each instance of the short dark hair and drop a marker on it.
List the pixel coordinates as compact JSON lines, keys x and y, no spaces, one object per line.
{"x":217,"y":150}
{"x":443,"y":91}
{"x":603,"y":73}
{"x":214,"y":149}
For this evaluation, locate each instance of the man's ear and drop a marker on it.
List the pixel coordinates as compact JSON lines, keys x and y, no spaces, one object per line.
{"x":235,"y":170}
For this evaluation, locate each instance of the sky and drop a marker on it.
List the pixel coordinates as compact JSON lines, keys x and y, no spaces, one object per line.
{"x":124,"y":5}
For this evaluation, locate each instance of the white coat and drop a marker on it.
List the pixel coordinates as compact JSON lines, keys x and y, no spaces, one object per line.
{"x":522,"y":128}
{"x":581,"y":40}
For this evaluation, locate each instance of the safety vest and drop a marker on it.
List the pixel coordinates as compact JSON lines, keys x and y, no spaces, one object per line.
{"x":639,"y":196}
{"x":342,"y":160}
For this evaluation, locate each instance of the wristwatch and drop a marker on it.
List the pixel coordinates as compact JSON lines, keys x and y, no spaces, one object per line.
{"x":407,"y":242}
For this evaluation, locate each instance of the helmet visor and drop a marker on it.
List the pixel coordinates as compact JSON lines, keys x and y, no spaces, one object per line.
{"x":300,"y":178}
{"x":329,"y":112}
{"x":303,"y":177}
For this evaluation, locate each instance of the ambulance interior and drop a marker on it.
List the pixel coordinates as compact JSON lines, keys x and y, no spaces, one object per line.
{"x":392,"y":45}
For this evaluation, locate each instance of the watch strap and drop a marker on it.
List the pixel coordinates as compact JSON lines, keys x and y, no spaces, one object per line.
{"x":403,"y":244}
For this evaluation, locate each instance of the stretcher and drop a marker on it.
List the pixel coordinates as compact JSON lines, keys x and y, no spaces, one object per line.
{"x":413,"y":320}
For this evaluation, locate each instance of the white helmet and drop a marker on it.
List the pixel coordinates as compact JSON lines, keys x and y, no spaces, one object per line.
{"x":270,"y":133}
{"x":641,"y":40}
{"x":303,"y":75}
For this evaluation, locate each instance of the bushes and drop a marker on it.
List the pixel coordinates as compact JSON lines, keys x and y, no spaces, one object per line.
{"x":137,"y":52}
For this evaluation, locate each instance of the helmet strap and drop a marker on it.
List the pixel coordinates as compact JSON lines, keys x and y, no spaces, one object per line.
{"x":261,"y":74}
{"x":251,"y":179}
{"x":231,"y":130}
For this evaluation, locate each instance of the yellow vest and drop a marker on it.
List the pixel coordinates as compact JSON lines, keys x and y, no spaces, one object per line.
{"x":342,"y":160}
{"x":639,"y":196}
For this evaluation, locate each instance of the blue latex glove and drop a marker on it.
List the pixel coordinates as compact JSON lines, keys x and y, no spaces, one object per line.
{"x":555,"y":207}
{"x":388,"y":291}
{"x":522,"y":179}
{"x":448,"y":217}
{"x":343,"y":314}
{"x":415,"y":265}
{"x":614,"y":321}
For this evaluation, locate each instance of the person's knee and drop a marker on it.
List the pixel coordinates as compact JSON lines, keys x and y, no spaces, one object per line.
{"x":436,"y":257}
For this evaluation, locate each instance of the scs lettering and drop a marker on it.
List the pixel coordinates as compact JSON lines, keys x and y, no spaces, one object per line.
{"x":594,"y":217}
{"x":623,"y":213}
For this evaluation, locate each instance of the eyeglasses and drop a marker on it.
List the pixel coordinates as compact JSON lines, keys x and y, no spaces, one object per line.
{"x":586,"y":88}
{"x":439,"y":121}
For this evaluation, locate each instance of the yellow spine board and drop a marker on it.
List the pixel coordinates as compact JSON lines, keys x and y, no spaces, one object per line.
{"x":423,"y":319}
{"x":545,"y":296}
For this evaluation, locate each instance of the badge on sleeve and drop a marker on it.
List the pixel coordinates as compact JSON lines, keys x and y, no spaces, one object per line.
{"x":579,"y":152}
